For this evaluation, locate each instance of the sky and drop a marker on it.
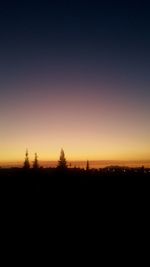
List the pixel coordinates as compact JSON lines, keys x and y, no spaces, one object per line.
{"x":75,"y":74}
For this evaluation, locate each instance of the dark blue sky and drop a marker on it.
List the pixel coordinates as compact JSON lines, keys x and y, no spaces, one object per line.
{"x":112,"y":36}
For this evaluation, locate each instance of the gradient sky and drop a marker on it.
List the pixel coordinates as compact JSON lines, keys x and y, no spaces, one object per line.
{"x":75,"y":74}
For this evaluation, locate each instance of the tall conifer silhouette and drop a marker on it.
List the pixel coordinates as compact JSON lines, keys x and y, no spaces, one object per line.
{"x":62,"y":163}
{"x":35,"y":162}
{"x":26,"y":162}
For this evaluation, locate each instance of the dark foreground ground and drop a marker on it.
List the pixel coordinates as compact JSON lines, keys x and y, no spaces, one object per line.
{"x":83,"y":209}
{"x":74,"y":186}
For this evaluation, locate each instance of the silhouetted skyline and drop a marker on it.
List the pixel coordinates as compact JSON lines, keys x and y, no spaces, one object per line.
{"x":75,"y":74}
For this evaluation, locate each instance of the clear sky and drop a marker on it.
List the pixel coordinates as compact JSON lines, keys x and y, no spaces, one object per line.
{"x":75,"y":74}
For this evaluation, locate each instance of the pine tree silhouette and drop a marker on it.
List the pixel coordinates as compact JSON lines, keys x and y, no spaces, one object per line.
{"x":62,"y":163}
{"x":35,"y":162}
{"x":26,"y":162}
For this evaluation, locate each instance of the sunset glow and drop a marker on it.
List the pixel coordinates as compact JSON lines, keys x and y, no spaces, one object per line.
{"x":81,"y":87}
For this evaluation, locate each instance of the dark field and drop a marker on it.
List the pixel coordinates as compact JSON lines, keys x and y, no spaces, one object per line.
{"x":73,"y":204}
{"x":73,"y":186}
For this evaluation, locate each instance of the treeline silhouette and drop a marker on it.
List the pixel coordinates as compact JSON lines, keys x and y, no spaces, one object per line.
{"x":80,"y":200}
{"x":39,"y":180}
{"x":64,"y":185}
{"x":62,"y":163}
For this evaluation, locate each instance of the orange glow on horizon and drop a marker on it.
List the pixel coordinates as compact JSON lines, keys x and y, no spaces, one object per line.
{"x":86,"y":126}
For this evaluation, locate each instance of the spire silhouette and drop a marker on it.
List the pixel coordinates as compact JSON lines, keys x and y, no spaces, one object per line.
{"x":87,"y":166}
{"x":26,"y":162}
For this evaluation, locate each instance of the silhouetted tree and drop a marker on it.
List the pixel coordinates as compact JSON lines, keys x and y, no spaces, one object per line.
{"x":26,"y":162}
{"x":62,"y":163}
{"x":87,"y":165}
{"x":35,"y":162}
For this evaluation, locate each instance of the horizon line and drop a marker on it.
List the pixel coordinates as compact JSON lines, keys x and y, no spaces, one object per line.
{"x":54,"y":160}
